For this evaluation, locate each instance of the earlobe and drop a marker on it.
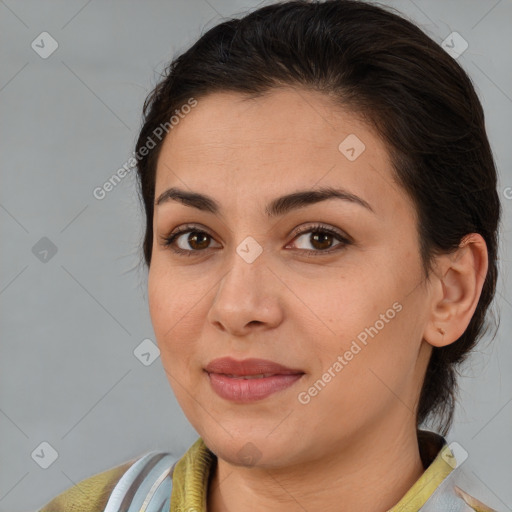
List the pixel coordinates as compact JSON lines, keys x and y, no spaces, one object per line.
{"x":456,"y":290}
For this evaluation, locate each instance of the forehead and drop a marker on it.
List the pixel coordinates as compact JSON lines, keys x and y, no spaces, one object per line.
{"x":278,"y":119}
{"x":284,"y":140}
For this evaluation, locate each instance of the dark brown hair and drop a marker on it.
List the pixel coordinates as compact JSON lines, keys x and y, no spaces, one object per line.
{"x":380,"y":65}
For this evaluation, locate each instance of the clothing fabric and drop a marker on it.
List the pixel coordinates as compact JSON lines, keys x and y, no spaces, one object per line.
{"x":160,"y":482}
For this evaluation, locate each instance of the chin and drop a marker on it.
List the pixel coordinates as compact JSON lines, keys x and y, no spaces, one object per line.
{"x":249,"y":450}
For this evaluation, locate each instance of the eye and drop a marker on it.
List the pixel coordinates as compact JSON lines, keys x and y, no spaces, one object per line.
{"x":321,"y":239}
{"x":198,"y":240}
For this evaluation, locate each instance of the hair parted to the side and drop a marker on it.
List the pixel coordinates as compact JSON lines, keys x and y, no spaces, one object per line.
{"x":378,"y":64}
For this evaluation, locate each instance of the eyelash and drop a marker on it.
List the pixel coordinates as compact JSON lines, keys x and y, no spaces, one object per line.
{"x":169,"y":241}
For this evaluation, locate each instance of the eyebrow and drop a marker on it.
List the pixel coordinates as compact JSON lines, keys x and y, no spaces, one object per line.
{"x":275,"y":208}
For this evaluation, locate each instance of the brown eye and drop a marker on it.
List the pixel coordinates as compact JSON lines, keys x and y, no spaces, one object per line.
{"x":321,"y":239}
{"x":198,"y":237}
{"x":197,"y":241}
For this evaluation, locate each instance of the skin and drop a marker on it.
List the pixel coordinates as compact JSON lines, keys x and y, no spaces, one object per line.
{"x":345,"y":445}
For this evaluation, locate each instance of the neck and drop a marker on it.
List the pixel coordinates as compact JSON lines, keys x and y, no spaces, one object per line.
{"x":370,"y":474}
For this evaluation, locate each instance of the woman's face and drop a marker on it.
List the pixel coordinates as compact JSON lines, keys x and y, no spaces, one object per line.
{"x":349,"y":315}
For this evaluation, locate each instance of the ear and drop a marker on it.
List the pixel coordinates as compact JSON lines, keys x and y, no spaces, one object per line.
{"x":456,"y":287}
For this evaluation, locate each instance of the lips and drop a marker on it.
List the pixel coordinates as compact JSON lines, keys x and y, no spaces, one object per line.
{"x":249,"y":368}
{"x":250,"y":380}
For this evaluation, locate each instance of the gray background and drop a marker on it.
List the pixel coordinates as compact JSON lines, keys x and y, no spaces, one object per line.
{"x":70,"y":323}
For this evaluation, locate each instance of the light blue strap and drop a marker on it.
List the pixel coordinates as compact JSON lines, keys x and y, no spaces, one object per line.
{"x":159,"y":493}
{"x":146,"y":486}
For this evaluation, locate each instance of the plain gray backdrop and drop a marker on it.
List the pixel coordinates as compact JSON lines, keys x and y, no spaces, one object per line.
{"x":72,"y":294}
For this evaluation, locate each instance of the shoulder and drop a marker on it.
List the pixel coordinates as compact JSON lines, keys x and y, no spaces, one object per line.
{"x":89,"y":494}
{"x":143,"y":478}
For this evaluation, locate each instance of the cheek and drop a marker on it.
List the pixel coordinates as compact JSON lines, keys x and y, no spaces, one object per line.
{"x":169,"y":297}
{"x":174,"y":306}
{"x":372,"y":327}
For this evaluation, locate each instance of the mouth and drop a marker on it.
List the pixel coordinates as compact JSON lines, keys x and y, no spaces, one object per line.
{"x":249,"y":380}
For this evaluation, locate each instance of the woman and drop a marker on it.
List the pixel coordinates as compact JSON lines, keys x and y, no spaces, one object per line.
{"x":321,"y":241}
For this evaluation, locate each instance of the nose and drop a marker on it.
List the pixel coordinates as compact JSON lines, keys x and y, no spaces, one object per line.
{"x":247,"y":297}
